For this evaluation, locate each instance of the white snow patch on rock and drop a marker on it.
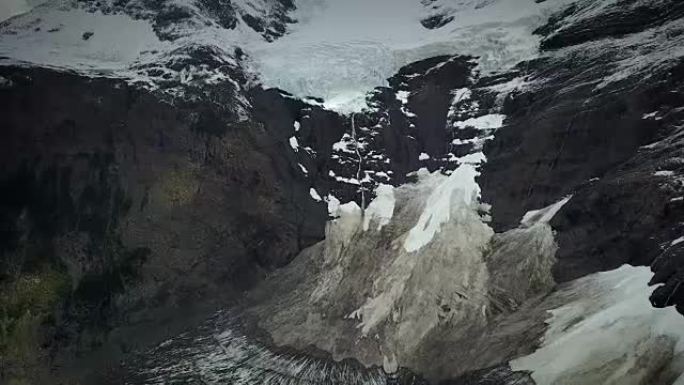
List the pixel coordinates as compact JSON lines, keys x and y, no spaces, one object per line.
{"x":544,"y":215}
{"x":333,"y":205}
{"x":381,"y":209}
{"x":461,"y":94}
{"x":677,"y":241}
{"x":294,"y":144}
{"x":459,"y":188}
{"x":664,"y":173}
{"x":118,"y":41}
{"x":423,"y":156}
{"x":10,"y":8}
{"x":607,"y":323}
{"x":314,"y":194}
{"x":491,"y":121}
{"x":473,"y":159}
{"x":403,"y":96}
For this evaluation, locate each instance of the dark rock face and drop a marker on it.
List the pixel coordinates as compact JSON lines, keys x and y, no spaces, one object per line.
{"x":621,"y":18}
{"x":500,"y":375}
{"x":430,"y":83}
{"x":436,"y":21}
{"x":615,"y":146}
{"x":170,"y":19}
{"x":136,"y":208}
{"x":556,"y":139}
{"x":408,"y":118}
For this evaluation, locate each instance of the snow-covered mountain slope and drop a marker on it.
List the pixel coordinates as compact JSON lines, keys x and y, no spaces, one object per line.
{"x":323,"y":57}
{"x":166,"y":45}
{"x":320,"y":56}
{"x":11,"y":8}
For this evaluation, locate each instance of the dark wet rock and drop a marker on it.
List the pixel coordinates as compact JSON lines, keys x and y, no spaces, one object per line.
{"x":499,"y":375}
{"x":430,"y":101}
{"x":406,"y":119}
{"x":171,"y":19}
{"x":553,"y":142}
{"x":436,"y":21}
{"x":614,"y":146}
{"x":621,"y":18}
{"x":153,"y":213}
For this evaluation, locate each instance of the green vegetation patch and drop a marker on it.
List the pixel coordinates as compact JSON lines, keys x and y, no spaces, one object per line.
{"x":26,"y":304}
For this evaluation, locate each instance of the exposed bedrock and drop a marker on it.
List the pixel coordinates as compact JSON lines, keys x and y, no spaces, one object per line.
{"x":137,"y":213}
{"x":468,"y":215}
{"x":605,"y":128}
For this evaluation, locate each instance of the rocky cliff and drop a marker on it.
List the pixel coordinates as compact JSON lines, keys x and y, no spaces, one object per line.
{"x":457,"y":198}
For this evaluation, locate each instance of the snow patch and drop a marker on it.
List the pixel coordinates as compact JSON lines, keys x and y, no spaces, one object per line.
{"x":333,"y":205}
{"x":461,"y":94}
{"x":423,"y":156}
{"x":381,"y":209}
{"x":294,"y":144}
{"x":677,"y":241}
{"x":544,"y":215}
{"x":314,"y":194}
{"x":459,"y":188}
{"x":403,"y":96}
{"x":474,"y":159}
{"x":117,"y":42}
{"x":608,"y":323}
{"x":491,"y":121}
{"x":10,"y":8}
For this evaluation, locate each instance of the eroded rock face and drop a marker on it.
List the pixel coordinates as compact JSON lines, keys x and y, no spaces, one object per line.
{"x":602,"y":129}
{"x":585,"y":21}
{"x":170,"y":19}
{"x":142,"y":206}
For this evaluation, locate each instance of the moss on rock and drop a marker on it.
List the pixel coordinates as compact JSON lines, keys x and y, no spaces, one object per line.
{"x":27,"y":305}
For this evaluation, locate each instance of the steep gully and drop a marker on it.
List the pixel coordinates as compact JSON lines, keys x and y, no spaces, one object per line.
{"x":151,"y":173}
